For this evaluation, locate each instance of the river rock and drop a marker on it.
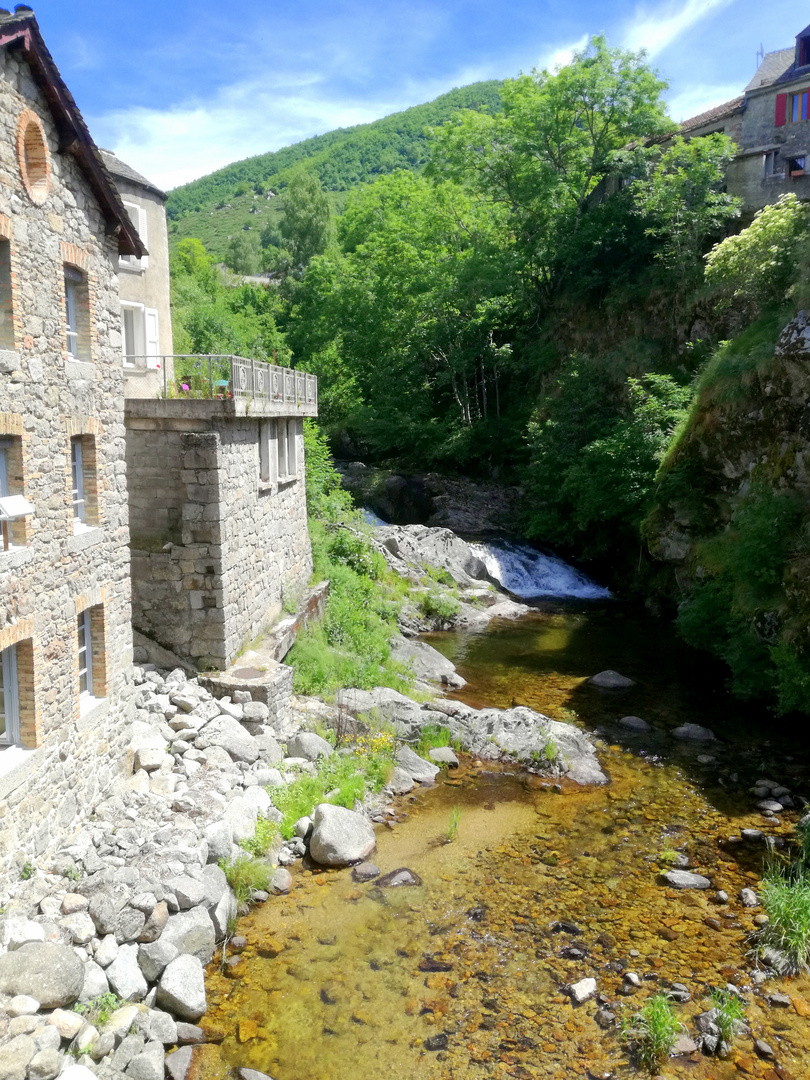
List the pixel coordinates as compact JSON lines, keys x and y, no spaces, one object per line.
{"x":610,"y":680}
{"x":125,"y":976}
{"x":582,"y":990}
{"x":749,"y":898}
{"x":416,"y":767}
{"x":428,"y":664}
{"x":182,"y":988}
{"x":178,"y":1063}
{"x":365,"y":871}
{"x":400,"y":781}
{"x":634,"y":723}
{"x":340,"y":837}
{"x":444,"y":755}
{"x":684,"y":879}
{"x":53,"y":974}
{"x":395,"y":879}
{"x":693,"y":733}
{"x":191,"y":932}
{"x":227,"y":733}
{"x":15,"y":1056}
{"x":308,"y":745}
{"x":407,"y":548}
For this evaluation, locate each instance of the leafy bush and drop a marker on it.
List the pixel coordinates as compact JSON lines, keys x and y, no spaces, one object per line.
{"x":757,"y":267}
{"x":264,"y":838}
{"x":438,"y":605}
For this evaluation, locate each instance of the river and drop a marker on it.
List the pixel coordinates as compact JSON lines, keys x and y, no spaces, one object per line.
{"x":464,"y":976}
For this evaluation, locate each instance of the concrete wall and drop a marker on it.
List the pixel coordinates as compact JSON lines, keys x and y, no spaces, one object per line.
{"x":214,"y":550}
{"x":45,"y":399}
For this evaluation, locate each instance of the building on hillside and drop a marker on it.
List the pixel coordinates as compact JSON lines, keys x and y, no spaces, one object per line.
{"x":143,"y":282}
{"x":770,"y":123}
{"x":65,"y":618}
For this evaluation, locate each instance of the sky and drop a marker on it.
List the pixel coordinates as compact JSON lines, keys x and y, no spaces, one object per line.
{"x":179,"y":89}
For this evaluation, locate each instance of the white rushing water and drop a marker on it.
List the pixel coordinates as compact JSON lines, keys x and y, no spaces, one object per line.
{"x":527,"y":572}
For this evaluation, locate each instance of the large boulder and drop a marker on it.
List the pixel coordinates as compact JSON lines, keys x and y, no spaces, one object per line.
{"x":191,"y":932}
{"x":182,"y":988}
{"x":416,"y":767}
{"x":227,"y":733}
{"x":306,"y":744}
{"x":53,"y":974}
{"x":340,"y":837}
{"x":408,"y":548}
{"x":427,"y":663}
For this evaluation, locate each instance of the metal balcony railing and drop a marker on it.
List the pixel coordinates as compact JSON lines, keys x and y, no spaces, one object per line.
{"x":212,"y":376}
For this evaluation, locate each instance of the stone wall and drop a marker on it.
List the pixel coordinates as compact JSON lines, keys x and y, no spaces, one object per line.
{"x":69,"y":752}
{"x":215,"y":552}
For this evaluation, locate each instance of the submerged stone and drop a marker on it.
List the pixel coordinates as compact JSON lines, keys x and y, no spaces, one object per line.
{"x":610,"y":680}
{"x":397,"y":878}
{"x":684,"y":879}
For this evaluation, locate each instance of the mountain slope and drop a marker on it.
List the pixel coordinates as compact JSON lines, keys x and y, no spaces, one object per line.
{"x":233,"y":198}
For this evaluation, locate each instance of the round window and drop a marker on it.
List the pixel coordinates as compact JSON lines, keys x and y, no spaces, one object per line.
{"x":32,"y":156}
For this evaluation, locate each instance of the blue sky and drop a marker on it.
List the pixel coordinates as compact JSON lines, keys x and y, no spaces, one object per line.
{"x":179,"y":89}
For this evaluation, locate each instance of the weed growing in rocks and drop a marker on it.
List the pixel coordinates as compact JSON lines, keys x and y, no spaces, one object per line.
{"x":342,"y":779}
{"x":28,"y":871}
{"x":98,"y":1010}
{"x":730,"y":1013}
{"x":437,"y":605}
{"x":263,"y":839}
{"x":432,"y":736}
{"x":651,"y":1033}
{"x":551,"y":751}
{"x":245,"y":876}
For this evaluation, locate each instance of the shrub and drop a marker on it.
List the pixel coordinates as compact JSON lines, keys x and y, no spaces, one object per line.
{"x":651,"y":1033}
{"x":435,"y":605}
{"x":263,"y":839}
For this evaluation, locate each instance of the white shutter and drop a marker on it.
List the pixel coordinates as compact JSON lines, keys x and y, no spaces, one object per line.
{"x":292,"y":448}
{"x":142,"y":234}
{"x":152,"y":337}
{"x":265,"y":446}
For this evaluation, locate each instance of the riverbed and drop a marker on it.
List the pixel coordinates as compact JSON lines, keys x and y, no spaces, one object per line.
{"x":465,"y":975}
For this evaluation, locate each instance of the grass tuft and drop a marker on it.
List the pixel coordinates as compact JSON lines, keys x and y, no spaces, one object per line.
{"x":245,"y":876}
{"x":432,"y":736}
{"x":652,"y":1032}
{"x":730,"y":1013}
{"x":786,"y":899}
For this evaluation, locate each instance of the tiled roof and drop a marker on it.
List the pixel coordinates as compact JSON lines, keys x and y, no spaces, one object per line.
{"x":120,"y":169}
{"x":20,"y":32}
{"x":774,"y":66}
{"x":719,"y":112}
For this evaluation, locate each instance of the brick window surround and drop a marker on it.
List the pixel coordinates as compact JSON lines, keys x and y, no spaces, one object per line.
{"x":33,"y":158}
{"x":91,"y":652}
{"x":78,"y":294}
{"x":18,"y":638}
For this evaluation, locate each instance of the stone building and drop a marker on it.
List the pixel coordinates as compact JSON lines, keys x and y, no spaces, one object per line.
{"x":218,"y":510}
{"x":770,"y":123}
{"x":65,"y":618}
{"x":143,"y":282}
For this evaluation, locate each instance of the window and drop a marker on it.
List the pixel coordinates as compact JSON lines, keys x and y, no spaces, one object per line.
{"x":803,"y":52}
{"x":798,"y":106}
{"x":9,"y":698}
{"x":773,"y":166}
{"x":795,"y":166}
{"x":137,"y":215}
{"x":14,"y":508}
{"x":77,"y":314}
{"x":6,"y":301}
{"x":278,"y":450}
{"x":85,"y":653}
{"x":83,"y":485}
{"x":90,"y":655}
{"x":77,"y":480}
{"x":141,"y":336}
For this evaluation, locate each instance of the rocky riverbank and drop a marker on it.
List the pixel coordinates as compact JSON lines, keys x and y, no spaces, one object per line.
{"x":102,"y":952}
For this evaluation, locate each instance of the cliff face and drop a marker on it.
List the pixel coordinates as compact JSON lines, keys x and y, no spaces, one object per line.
{"x":733,"y":516}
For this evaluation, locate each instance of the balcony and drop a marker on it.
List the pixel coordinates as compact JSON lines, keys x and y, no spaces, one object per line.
{"x":252,"y":387}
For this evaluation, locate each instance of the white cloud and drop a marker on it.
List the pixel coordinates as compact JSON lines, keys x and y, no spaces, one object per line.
{"x":195,"y":137}
{"x":654,"y":29}
{"x":559,"y":57}
{"x":697,"y":99}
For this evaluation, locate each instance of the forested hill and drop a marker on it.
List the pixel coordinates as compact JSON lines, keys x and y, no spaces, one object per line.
{"x":218,"y":205}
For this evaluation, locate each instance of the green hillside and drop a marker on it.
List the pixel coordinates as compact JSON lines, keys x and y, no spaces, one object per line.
{"x":244,"y":194}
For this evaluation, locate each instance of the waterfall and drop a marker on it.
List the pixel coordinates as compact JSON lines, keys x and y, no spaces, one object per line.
{"x":527,"y":572}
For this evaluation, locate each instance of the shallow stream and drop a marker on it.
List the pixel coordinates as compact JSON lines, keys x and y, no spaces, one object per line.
{"x":344,"y":982}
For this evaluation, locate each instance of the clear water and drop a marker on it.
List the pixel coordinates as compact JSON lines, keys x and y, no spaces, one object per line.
{"x":333,"y":981}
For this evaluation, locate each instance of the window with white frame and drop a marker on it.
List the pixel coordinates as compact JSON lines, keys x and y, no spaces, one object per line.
{"x":85,"y":642}
{"x":278,"y":450}
{"x":137,"y":215}
{"x":77,"y":314}
{"x":9,"y":698}
{"x":77,"y":481}
{"x":141,"y":335}
{"x":14,"y":507}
